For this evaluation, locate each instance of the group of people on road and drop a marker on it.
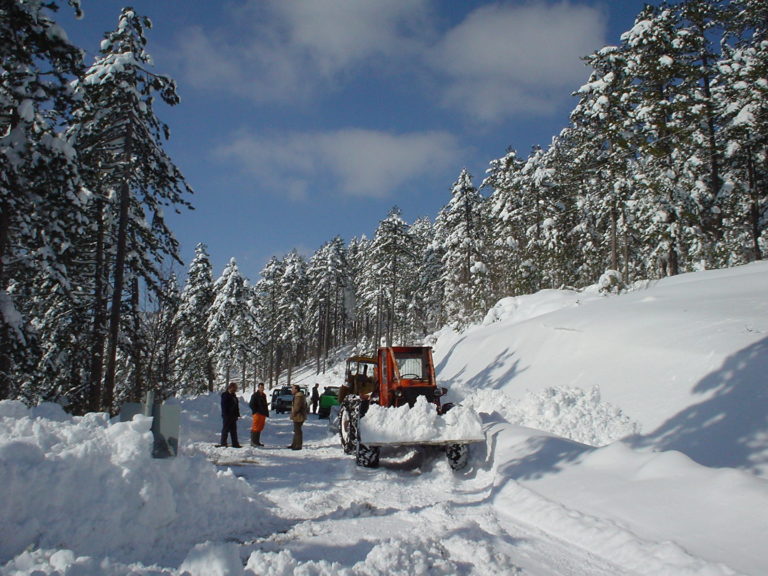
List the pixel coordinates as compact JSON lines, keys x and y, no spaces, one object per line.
{"x":230,"y":414}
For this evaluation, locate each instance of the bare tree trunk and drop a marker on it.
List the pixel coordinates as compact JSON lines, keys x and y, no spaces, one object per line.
{"x":5,"y":350}
{"x":117,"y":294}
{"x":98,"y":334}
{"x":136,"y":343}
{"x":754,"y":205}
{"x":614,"y":241}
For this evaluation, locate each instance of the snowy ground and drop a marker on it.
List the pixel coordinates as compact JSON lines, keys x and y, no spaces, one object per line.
{"x":622,"y":435}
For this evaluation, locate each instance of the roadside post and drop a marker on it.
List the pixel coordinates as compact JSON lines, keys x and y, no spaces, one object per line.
{"x":165,"y":424}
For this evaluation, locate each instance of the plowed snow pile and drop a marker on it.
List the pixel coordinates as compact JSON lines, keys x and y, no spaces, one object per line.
{"x":421,"y":423}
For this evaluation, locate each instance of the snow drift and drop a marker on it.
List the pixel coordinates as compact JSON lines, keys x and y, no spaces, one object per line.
{"x":91,"y":485}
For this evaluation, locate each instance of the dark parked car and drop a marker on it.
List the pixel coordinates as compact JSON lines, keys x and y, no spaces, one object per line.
{"x":281,"y":399}
{"x":329,"y":397}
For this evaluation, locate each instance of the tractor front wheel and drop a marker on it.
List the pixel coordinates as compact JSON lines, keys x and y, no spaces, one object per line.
{"x":367,"y":456}
{"x":458,"y":455}
{"x":349,"y":416}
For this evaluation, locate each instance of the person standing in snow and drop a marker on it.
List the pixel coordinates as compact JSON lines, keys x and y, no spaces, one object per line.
{"x":230,"y":413}
{"x":315,"y":398}
{"x":260,"y":410}
{"x":299,"y":410}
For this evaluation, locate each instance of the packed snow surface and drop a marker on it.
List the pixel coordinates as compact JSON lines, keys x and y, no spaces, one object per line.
{"x":621,"y":434}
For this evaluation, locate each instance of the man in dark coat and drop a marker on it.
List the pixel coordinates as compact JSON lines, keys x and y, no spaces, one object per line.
{"x":260,"y":411}
{"x":230,"y":413}
{"x":315,"y":398}
{"x":299,"y":411}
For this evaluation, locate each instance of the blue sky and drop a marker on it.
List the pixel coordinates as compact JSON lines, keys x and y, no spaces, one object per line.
{"x":300,"y":121}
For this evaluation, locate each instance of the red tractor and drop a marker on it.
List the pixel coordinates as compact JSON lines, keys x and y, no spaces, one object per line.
{"x":397,"y":376}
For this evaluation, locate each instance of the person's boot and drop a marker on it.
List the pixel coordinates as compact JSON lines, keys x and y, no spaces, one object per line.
{"x":254,"y":438}
{"x":258,"y":439}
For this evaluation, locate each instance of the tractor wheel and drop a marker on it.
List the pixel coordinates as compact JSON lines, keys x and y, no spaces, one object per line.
{"x":367,"y":456}
{"x":349,"y":415}
{"x":458,"y":455}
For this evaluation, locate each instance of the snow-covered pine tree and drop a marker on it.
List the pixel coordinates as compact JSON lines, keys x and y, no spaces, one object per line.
{"x":161,"y":332}
{"x":530,"y":215}
{"x":504,"y":236}
{"x":328,"y":280}
{"x":560,"y":252}
{"x":40,"y":206}
{"x":659,"y":96}
{"x":358,"y":309}
{"x":602,"y":162}
{"x":697,"y":35}
{"x":741,"y":91}
{"x":269,"y":318}
{"x":60,"y":317}
{"x":466,"y":286}
{"x":425,"y":300}
{"x":194,"y":371}
{"x":120,"y":139}
{"x":392,"y":263}
{"x":229,"y":322}
{"x":293,"y":308}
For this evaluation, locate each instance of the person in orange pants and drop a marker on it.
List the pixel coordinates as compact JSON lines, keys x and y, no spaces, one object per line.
{"x":260,"y":409}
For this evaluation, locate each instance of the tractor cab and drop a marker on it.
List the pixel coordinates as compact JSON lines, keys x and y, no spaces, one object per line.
{"x":407,"y":372}
{"x":396,"y":376}
{"x":360,"y":377}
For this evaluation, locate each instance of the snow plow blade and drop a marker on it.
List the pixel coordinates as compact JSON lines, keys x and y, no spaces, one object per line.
{"x":420,"y":425}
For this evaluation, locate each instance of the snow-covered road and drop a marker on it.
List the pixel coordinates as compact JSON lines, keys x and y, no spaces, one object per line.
{"x":634,"y":442}
{"x":414,"y":515}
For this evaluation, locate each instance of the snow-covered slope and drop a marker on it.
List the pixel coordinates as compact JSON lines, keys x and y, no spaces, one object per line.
{"x":685,"y":358}
{"x":623,"y":435}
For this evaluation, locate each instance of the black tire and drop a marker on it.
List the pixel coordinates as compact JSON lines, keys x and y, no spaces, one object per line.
{"x":458,"y":455}
{"x":367,"y":456}
{"x":349,"y":415}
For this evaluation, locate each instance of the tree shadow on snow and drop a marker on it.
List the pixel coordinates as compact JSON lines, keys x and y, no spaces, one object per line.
{"x":730,"y":427}
{"x":489,"y":377}
{"x":545,"y":455}
{"x":539,"y":455}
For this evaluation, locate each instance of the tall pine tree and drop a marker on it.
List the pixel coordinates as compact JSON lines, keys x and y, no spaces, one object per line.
{"x":120,"y":140}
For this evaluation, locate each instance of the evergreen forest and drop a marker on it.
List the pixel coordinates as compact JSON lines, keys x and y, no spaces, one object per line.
{"x":662,"y":169}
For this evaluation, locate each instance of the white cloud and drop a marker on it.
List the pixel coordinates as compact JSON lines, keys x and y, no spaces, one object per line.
{"x":336,"y":35}
{"x":286,"y":51}
{"x":504,"y":59}
{"x":362,"y":163}
{"x":243,"y":67}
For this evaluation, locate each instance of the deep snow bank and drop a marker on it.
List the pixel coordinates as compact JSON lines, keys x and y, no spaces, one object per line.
{"x":91,"y":485}
{"x":573,"y":413}
{"x":684,"y":357}
{"x":657,"y":513}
